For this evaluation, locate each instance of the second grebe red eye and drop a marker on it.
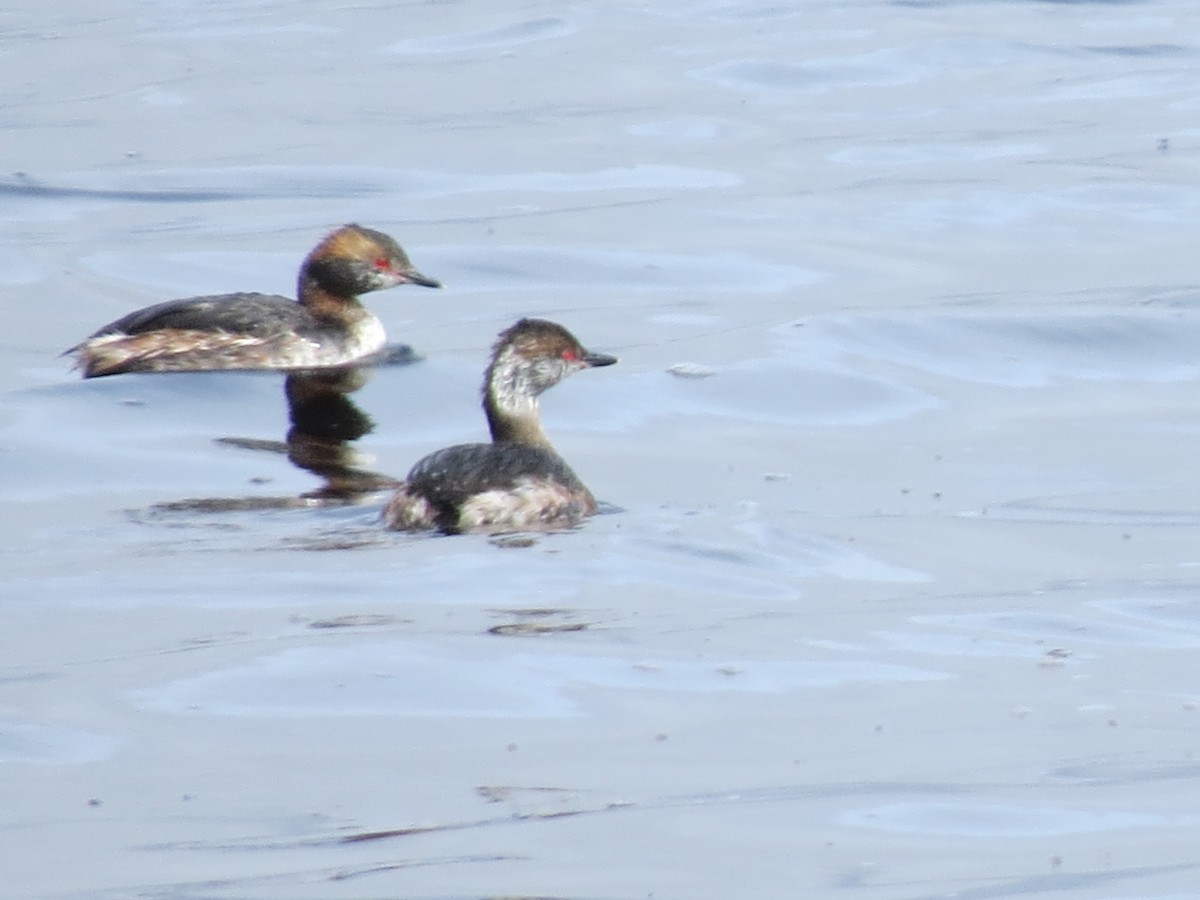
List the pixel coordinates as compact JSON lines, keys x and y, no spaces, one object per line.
{"x":570,"y":355}
{"x":383,"y":263}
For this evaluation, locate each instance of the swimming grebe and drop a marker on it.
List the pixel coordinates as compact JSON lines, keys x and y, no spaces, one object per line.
{"x":328,"y":326}
{"x":517,"y":482}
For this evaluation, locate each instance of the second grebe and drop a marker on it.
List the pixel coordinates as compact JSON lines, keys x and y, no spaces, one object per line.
{"x":326,"y":326}
{"x":518,"y":482}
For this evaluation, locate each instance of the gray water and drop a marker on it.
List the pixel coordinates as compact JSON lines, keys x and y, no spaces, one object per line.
{"x":897,"y":589}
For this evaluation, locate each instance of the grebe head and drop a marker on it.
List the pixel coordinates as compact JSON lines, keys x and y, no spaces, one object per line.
{"x":531,"y":356}
{"x":353,"y":260}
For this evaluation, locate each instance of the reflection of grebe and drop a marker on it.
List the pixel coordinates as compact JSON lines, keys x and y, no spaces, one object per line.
{"x":517,"y":482}
{"x":324,"y":420}
{"x":328,"y":326}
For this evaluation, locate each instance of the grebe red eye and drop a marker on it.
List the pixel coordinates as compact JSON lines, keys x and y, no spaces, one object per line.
{"x":383,"y":263}
{"x":570,"y":355}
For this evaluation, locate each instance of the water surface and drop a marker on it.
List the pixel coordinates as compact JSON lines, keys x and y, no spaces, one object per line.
{"x":895,"y":593}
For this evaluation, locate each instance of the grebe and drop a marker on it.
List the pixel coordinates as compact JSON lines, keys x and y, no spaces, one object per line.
{"x":518,"y":482}
{"x":328,"y":326}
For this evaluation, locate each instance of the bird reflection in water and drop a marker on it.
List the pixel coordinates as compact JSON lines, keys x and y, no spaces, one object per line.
{"x":324,"y":423}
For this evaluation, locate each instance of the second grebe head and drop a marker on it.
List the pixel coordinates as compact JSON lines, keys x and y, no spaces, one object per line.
{"x":531,"y":356}
{"x":354,"y":260}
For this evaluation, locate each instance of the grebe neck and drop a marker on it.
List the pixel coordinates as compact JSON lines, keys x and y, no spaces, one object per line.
{"x":326,"y":304}
{"x":510,"y":400}
{"x":517,"y":422}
